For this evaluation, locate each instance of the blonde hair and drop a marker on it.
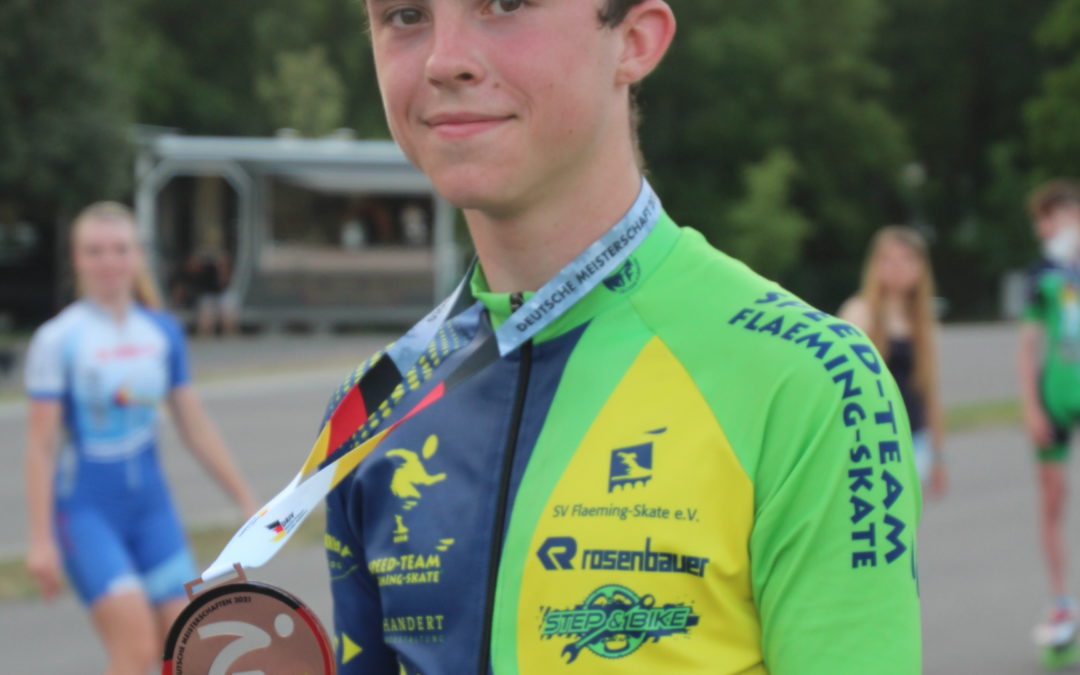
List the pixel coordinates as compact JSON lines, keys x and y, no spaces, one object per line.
{"x":917,"y":306}
{"x":145,"y":290}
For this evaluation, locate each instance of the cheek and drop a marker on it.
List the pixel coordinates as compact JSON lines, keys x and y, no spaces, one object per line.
{"x":398,"y":77}
{"x":562,"y":73}
{"x":563,"y":101}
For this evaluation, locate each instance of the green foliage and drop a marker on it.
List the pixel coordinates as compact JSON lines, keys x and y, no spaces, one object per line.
{"x":745,"y":77}
{"x":340,"y":28}
{"x":63,"y":120}
{"x":1059,"y":32}
{"x":197,"y":65}
{"x":190,"y":64}
{"x":304,"y":93}
{"x":780,"y":129}
{"x":962,"y":70}
{"x":766,"y":232}
{"x":1052,"y":118}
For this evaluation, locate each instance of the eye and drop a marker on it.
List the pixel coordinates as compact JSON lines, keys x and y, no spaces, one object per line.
{"x":405,"y":17}
{"x":506,"y":6}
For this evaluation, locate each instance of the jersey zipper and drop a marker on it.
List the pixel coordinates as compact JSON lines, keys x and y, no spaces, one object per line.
{"x":495,"y":555}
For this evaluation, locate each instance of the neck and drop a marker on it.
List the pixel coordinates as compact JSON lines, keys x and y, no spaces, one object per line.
{"x":115,"y":306}
{"x":522,"y":249}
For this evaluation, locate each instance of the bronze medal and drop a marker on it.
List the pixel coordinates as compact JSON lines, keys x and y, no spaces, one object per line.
{"x":247,"y":627}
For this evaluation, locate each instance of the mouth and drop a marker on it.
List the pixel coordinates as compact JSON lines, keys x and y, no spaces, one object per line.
{"x":464,"y":124}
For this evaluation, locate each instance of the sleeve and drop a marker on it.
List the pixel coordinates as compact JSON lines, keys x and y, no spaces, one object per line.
{"x":358,"y":629}
{"x":1034,"y":303}
{"x":837,"y":503}
{"x":178,"y":361}
{"x":44,"y":376}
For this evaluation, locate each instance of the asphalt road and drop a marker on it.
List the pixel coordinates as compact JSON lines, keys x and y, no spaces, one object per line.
{"x":981,"y":573}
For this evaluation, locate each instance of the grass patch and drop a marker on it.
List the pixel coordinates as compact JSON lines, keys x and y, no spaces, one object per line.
{"x":206,"y":542}
{"x":982,"y":415}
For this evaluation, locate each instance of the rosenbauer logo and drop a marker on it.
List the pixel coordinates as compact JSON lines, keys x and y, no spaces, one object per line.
{"x":558,"y":553}
{"x":614,"y":622}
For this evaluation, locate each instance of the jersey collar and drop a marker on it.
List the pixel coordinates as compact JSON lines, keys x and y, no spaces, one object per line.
{"x":615,"y":289}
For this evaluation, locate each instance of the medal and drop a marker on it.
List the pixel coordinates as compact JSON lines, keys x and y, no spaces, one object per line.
{"x":243,"y":628}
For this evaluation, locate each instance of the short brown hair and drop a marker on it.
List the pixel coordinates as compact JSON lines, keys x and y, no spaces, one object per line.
{"x":615,"y":11}
{"x":1052,"y":196}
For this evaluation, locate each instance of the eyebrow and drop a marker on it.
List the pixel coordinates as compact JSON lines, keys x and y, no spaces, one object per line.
{"x":379,"y":3}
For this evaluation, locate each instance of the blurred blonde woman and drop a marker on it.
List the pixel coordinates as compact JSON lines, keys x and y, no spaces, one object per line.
{"x":100,"y":509}
{"x":894,"y":307}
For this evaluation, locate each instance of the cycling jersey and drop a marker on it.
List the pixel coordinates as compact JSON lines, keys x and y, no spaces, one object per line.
{"x":114,"y":520}
{"x":689,"y":471}
{"x":1053,"y":300}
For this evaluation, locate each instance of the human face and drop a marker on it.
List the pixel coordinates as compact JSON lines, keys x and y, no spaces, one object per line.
{"x":899,"y":268}
{"x":499,"y":102}
{"x":1049,"y":224}
{"x":107,"y":259}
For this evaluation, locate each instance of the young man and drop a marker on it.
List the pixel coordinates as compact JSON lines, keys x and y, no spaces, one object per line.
{"x":1050,"y":387}
{"x":670,"y":465}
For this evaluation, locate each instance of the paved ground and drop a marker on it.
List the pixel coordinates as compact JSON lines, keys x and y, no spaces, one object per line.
{"x":982,"y":580}
{"x":978,"y":362}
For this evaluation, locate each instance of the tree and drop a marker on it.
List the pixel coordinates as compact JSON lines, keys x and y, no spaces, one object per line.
{"x":766,"y":231}
{"x":961,"y":70}
{"x":196,"y":64}
{"x":1053,"y":131}
{"x":63,"y":118}
{"x":304,"y":93}
{"x":746,"y":78}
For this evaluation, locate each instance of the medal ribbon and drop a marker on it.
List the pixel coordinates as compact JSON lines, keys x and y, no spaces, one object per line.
{"x":455,"y":328}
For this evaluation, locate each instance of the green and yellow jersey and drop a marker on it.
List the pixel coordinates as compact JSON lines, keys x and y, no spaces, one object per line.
{"x":1053,"y":301}
{"x":691,"y":471}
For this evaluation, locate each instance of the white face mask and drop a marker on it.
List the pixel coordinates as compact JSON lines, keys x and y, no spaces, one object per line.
{"x":1063,"y":247}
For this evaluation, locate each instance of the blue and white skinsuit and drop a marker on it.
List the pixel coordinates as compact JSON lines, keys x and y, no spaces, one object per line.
{"x":114,"y":521}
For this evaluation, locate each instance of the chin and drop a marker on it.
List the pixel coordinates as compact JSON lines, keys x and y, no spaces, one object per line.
{"x":473,"y":190}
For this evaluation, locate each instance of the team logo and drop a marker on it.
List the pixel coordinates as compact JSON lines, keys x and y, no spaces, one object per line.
{"x":410,"y":475}
{"x":278,"y":529}
{"x":626,"y":278}
{"x":558,"y":553}
{"x":283,"y":527}
{"x":614,"y":622}
{"x":632,"y":466}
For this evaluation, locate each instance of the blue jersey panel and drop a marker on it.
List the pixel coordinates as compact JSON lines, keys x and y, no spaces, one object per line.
{"x":392,"y":524}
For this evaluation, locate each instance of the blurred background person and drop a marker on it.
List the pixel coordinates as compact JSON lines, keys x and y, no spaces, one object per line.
{"x":96,"y":373}
{"x":894,"y":307}
{"x":1049,"y":370}
{"x":209,"y":274}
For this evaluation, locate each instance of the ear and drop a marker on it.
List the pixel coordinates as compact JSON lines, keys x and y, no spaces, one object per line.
{"x":647,"y":31}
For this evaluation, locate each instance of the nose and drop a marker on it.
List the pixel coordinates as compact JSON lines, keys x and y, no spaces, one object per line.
{"x":454,"y":59}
